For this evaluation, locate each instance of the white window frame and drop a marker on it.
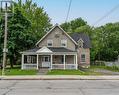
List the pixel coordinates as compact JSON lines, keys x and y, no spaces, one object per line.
{"x":80,"y":43}
{"x":44,"y":59}
{"x":83,"y":60}
{"x":49,"y":41}
{"x":64,"y":42}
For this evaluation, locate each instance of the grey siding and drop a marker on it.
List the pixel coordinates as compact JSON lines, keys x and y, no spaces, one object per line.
{"x":57,"y":41}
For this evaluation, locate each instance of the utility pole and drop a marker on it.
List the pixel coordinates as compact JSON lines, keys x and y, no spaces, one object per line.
{"x":5,"y":11}
{"x":5,"y":50}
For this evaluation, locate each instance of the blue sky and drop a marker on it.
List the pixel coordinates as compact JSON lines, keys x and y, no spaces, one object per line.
{"x":89,"y":10}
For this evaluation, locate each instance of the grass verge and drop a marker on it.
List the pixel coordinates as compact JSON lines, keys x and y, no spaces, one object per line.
{"x":71,"y":72}
{"x":18,"y":71}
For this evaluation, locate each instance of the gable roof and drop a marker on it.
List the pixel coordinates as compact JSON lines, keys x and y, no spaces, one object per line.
{"x":52,"y":30}
{"x":84,"y":37}
{"x":44,"y":50}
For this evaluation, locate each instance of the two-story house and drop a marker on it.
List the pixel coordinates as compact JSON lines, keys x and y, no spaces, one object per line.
{"x":58,"y":50}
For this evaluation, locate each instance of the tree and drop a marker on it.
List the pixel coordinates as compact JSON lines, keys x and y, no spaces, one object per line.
{"x":40,"y":22}
{"x":73,"y":25}
{"x":20,"y":36}
{"x":107,"y":39}
{"x":86,"y":29}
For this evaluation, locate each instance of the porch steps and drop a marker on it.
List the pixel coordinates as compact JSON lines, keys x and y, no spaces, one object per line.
{"x":42,"y":71}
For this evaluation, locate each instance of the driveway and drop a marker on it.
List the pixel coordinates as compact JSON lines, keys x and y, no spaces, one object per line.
{"x":104,"y":71}
{"x":59,"y":87}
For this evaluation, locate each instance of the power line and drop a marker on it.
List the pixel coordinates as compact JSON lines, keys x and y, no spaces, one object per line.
{"x":106,"y":15}
{"x":67,"y":16}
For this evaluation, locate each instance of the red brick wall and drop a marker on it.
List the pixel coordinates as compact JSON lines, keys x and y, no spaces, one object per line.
{"x":87,"y":55}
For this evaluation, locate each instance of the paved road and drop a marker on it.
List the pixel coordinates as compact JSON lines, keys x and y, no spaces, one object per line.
{"x":59,"y":87}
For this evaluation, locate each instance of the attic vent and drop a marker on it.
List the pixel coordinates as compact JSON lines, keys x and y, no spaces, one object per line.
{"x":57,"y":35}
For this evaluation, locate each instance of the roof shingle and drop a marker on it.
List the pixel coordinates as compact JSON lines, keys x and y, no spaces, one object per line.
{"x":84,"y":37}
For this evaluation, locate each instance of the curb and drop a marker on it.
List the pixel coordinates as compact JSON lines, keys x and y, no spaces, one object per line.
{"x":52,"y":77}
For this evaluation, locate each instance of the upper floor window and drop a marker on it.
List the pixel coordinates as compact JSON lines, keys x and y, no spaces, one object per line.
{"x":80,"y":43}
{"x":64,"y":43}
{"x":83,"y":58}
{"x":49,"y":43}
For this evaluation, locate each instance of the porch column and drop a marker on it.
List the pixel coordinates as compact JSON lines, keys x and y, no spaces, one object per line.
{"x":64,"y":62}
{"x":76,"y":62}
{"x":51,"y":61}
{"x":74,"y":59}
{"x":37,"y":61}
{"x":22,"y":60}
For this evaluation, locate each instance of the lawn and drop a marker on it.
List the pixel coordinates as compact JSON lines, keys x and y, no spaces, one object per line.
{"x":71,"y":72}
{"x":18,"y":71}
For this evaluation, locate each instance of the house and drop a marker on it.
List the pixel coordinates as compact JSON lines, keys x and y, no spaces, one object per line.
{"x":58,"y":50}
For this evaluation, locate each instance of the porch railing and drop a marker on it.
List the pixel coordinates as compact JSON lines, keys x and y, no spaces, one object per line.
{"x":29,"y":66}
{"x":57,"y":66}
{"x":62,"y":66}
{"x":70,"y":66}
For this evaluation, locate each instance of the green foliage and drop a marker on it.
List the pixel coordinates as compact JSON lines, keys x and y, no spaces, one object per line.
{"x":40,"y":22}
{"x":107,"y":40}
{"x":28,"y":24}
{"x":73,"y":25}
{"x":104,"y":39}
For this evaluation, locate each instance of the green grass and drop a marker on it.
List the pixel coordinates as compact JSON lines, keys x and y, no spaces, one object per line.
{"x":71,"y":72}
{"x":18,"y":71}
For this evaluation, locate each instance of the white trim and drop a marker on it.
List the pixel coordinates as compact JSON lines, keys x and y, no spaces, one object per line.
{"x":76,"y":62}
{"x":49,"y":41}
{"x":51,"y":61}
{"x":81,"y":40}
{"x":51,"y":31}
{"x":64,"y":61}
{"x":44,"y":50}
{"x":68,"y":35}
{"x":64,"y":41}
{"x":37,"y":61}
{"x":22,"y":61}
{"x":45,"y":35}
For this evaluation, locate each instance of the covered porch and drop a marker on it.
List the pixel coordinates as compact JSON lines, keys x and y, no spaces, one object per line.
{"x":51,"y":61}
{"x":52,"y":58}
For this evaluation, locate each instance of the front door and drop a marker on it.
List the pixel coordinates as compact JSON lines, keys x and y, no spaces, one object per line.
{"x":45,"y":61}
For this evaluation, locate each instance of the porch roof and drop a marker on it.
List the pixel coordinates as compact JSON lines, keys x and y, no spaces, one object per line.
{"x":53,"y":49}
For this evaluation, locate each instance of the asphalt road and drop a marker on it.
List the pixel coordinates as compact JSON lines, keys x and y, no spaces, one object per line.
{"x":59,"y":87}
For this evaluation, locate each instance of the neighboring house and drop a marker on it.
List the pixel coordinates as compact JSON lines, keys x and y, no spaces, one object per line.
{"x":58,"y":50}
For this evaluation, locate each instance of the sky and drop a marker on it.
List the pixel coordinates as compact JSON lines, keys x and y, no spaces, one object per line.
{"x":89,"y":10}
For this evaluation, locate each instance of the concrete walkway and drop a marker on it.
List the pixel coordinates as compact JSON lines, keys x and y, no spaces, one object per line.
{"x":59,"y":77}
{"x":43,"y":71}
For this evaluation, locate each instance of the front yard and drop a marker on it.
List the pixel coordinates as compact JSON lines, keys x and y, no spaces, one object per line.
{"x":18,"y":71}
{"x":71,"y":72}
{"x":93,"y":70}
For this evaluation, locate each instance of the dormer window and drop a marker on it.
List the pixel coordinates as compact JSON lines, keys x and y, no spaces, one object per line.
{"x":49,"y":43}
{"x":80,"y":43}
{"x":63,"y":43}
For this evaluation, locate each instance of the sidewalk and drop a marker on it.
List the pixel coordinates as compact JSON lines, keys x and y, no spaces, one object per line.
{"x":59,"y":77}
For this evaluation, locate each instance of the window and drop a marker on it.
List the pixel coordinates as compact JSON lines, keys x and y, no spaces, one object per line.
{"x":49,"y":43}
{"x":83,"y":58}
{"x":45,"y":59}
{"x":64,"y":43}
{"x":80,"y":43}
